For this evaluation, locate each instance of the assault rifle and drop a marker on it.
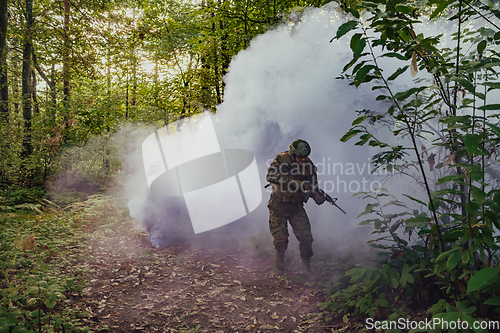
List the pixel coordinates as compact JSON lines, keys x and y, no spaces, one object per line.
{"x":325,"y":196}
{"x":286,"y":169}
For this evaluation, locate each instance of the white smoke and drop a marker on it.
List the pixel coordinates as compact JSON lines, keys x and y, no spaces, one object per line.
{"x":285,"y":87}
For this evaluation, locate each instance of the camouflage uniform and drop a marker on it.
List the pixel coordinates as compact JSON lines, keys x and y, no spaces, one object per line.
{"x":287,"y":202}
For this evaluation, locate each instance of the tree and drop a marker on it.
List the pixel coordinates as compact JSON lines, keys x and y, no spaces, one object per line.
{"x":26,"y":76}
{"x":66,"y":51}
{"x":4,"y":87}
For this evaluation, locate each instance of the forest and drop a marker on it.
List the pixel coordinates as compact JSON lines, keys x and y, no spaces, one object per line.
{"x":82,"y":80}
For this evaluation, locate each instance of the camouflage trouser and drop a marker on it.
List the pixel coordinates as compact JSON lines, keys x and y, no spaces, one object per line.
{"x":279,"y":214}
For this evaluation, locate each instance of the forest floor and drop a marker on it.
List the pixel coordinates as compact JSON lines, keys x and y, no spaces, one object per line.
{"x":197,"y":287}
{"x":90,"y":267}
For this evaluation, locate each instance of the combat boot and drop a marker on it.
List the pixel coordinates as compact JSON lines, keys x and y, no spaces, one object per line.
{"x":307,"y":264}
{"x":280,"y":260}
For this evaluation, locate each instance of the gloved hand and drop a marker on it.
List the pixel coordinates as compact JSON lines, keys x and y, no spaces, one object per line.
{"x":318,"y":199}
{"x":297,"y":185}
{"x":305,"y":186}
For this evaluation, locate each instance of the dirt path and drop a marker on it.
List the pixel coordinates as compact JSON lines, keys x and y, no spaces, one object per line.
{"x":193,"y":288}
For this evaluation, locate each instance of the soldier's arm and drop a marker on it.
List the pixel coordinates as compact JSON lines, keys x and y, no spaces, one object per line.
{"x":318,"y":199}
{"x":273,"y":172}
{"x":314,"y":177}
{"x":277,"y":173}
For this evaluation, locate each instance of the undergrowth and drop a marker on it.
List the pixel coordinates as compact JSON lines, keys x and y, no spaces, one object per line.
{"x":40,"y":252}
{"x":12,"y":195}
{"x":441,"y":135}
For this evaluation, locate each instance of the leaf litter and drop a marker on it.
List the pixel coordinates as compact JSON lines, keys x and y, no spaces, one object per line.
{"x":189,"y":288}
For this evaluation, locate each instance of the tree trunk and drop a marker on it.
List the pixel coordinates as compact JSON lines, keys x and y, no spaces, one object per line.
{"x":4,"y":90}
{"x":4,"y":87}
{"x":53,"y":94}
{"x":245,"y":40}
{"x":224,"y":50}
{"x":33,"y":92}
{"x":156,"y":72}
{"x":126,"y":97}
{"x":49,"y":81}
{"x":215,"y":50}
{"x":134,"y":77}
{"x":26,"y":75}
{"x":108,"y":64}
{"x":66,"y":60}
{"x":15,"y":90}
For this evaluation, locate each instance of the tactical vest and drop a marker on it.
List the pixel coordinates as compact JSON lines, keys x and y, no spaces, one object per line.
{"x":300,"y":173}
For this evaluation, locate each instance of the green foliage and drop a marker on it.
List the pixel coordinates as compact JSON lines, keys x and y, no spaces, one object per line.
{"x":15,"y":195}
{"x":148,"y":62}
{"x":384,"y":292}
{"x":452,"y":135}
{"x":38,"y":267}
{"x":39,"y":264}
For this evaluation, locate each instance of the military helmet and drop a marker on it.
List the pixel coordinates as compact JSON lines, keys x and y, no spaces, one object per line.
{"x":300,"y":148}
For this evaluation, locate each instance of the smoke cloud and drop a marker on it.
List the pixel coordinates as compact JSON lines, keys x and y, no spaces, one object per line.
{"x":285,"y":87}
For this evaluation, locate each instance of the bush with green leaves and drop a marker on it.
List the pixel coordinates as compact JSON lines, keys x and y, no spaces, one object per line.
{"x":446,"y":135}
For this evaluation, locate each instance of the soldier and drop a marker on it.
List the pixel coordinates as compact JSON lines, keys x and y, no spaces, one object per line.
{"x":293,"y":177}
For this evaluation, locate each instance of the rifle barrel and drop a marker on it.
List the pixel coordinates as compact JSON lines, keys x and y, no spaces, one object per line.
{"x":343,"y":211}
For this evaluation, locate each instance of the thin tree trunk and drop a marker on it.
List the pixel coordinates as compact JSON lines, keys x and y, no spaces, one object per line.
{"x":16,"y":92}
{"x":458,"y":159}
{"x":126,"y":97}
{"x":224,"y":50}
{"x":216,"y":60}
{"x":156,"y":72}
{"x":53,"y":90}
{"x":50,"y":82}
{"x":66,"y":76}
{"x":134,"y":72}
{"x":108,"y":63}
{"x":4,"y":87}
{"x":26,"y":74}
{"x":206,"y":79}
{"x":245,"y":40}
{"x":134,"y":77}
{"x":4,"y":90}
{"x":33,"y":92}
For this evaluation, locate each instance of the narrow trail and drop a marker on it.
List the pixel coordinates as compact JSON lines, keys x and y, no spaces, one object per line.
{"x":194,"y":288}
